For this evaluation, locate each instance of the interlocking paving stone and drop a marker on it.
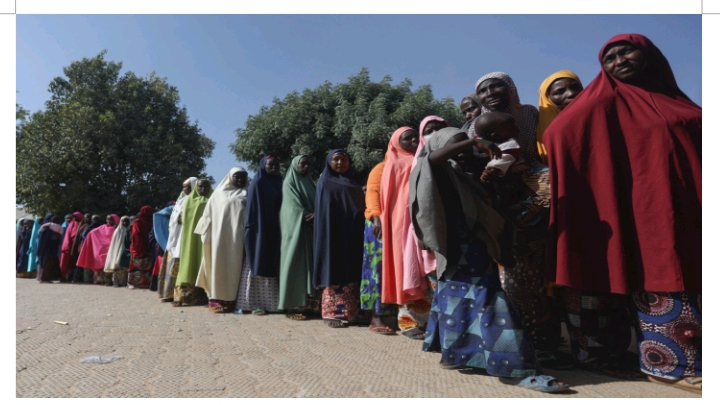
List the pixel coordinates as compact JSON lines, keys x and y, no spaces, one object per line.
{"x":228,"y":355}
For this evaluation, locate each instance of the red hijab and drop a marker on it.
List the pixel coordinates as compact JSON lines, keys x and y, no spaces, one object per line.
{"x":140,"y":232}
{"x":625,"y":165}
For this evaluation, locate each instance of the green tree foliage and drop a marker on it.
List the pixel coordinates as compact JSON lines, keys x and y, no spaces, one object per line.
{"x":359,"y":116}
{"x":107,"y":143}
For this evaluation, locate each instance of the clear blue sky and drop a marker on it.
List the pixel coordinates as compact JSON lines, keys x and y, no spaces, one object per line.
{"x":226,"y":67}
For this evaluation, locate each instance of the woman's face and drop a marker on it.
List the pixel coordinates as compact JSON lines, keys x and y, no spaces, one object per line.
{"x":339,"y":163}
{"x":470,"y":109}
{"x":562,"y":91}
{"x":272,"y":166}
{"x":433,"y":126}
{"x":110,"y":220}
{"x":303,"y":166}
{"x":68,"y":218}
{"x":187,"y":187}
{"x":239,"y":179}
{"x":125,"y":222}
{"x":88,"y":218}
{"x":493,"y":94}
{"x":624,"y":61}
{"x":203,"y":187}
{"x":409,"y":140}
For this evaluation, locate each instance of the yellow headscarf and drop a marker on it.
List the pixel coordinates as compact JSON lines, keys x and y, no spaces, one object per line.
{"x":548,"y":110}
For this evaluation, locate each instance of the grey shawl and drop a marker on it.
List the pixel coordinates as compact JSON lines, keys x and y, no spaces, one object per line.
{"x":428,"y":214}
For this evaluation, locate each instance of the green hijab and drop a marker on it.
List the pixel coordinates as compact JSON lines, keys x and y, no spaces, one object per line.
{"x":296,"y":246}
{"x":191,"y":246}
{"x":299,"y":190}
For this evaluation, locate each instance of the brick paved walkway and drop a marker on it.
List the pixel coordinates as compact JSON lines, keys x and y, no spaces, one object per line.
{"x":189,"y":352}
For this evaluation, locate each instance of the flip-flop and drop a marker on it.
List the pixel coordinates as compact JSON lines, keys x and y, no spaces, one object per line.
{"x":381,"y":330}
{"x":414,"y":333}
{"x":296,"y":317}
{"x":259,"y":312}
{"x":335,"y":324}
{"x":451,"y":366}
{"x":691,"y":384}
{"x":541,"y":383}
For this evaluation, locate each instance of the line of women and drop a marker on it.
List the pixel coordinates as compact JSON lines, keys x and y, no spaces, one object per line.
{"x":478,"y":240}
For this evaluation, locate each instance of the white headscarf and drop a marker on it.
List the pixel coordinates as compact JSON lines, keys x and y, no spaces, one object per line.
{"x":112,"y":262}
{"x":222,"y":227}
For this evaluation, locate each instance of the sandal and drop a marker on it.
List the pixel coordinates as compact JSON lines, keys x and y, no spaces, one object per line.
{"x":218,"y":309}
{"x":691,"y":384}
{"x":450,"y":366}
{"x":259,"y":312}
{"x":166,"y":300}
{"x":177,"y":304}
{"x":334,"y":323}
{"x":296,"y":317}
{"x":382,"y":330}
{"x":541,"y":383}
{"x":414,"y":333}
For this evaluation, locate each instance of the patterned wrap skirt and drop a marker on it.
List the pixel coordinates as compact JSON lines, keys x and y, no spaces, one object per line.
{"x":343,"y":303}
{"x":670,"y":334}
{"x":257,"y":292}
{"x":472,"y":323}
{"x":167,"y":276}
{"x":141,"y":275}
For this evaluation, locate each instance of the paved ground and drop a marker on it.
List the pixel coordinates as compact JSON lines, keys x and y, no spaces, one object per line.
{"x":189,"y":352}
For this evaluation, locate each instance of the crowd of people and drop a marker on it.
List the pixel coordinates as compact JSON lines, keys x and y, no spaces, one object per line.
{"x":479,"y":240}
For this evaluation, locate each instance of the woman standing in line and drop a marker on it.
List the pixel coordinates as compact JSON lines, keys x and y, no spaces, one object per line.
{"x":191,"y":249}
{"x":222,"y":233}
{"x":171,"y":259}
{"x":338,"y":235}
{"x":296,"y":250}
{"x":258,"y":290}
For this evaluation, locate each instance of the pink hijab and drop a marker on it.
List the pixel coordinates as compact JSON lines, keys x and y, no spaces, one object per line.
{"x":95,"y":248}
{"x":417,"y":263}
{"x":394,"y":197}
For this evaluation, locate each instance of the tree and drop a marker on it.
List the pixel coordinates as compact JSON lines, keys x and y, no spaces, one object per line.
{"x":359,"y":116}
{"x":107,"y":143}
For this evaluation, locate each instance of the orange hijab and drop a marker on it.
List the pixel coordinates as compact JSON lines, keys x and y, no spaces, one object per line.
{"x":548,"y":109}
{"x":394,"y":197}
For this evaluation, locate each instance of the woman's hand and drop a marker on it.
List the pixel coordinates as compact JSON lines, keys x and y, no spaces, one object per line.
{"x":377,"y":228}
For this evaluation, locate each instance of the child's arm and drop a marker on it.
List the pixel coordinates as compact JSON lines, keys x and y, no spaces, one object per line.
{"x":448,"y":151}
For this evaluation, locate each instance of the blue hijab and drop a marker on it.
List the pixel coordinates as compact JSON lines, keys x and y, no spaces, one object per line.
{"x":24,"y":234}
{"x":339,"y":227}
{"x":262,"y":223}
{"x":161,"y":226}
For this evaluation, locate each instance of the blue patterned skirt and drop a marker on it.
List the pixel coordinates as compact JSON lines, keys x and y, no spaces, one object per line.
{"x":472,"y":323}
